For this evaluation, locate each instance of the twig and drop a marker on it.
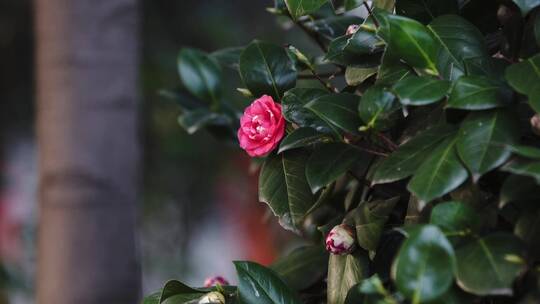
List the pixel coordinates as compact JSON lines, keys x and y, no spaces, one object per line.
{"x":327,"y":85}
{"x":311,"y":34}
{"x":388,"y":141}
{"x":370,"y":12}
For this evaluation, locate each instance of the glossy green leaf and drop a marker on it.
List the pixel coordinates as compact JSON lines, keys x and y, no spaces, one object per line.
{"x":455,"y":217}
{"x":328,"y":163}
{"x":299,"y":8}
{"x":392,"y":70}
{"x":363,"y":49}
{"x":303,"y":267}
{"x":526,"y":5}
{"x":482,"y":138}
{"x":378,"y":107}
{"x":200,"y":74}
{"x":527,"y":228}
{"x":229,"y":57}
{"x":441,"y":173}
{"x":524,"y":167}
{"x":195,"y":120}
{"x":369,"y":219}
{"x":424,"y":267}
{"x":302,"y":137}
{"x":333,"y":27}
{"x":408,"y":157}
{"x":419,"y":91}
{"x":411,"y":40}
{"x":459,"y":42}
{"x":536,"y":29}
{"x":293,"y":103}
{"x":339,"y":110}
{"x":485,"y":265}
{"x":477,"y":93}
{"x":524,"y":77}
{"x":355,"y":76}
{"x":283,"y":186}
{"x":267,"y":69}
{"x":261,"y":285}
{"x":425,"y":10}
{"x":517,"y":188}
{"x":525,"y":151}
{"x":345,"y":271}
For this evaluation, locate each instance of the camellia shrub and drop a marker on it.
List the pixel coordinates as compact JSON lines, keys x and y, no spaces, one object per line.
{"x":406,"y":152}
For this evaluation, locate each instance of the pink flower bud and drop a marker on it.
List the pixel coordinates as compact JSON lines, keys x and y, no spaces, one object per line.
{"x":212,"y":281}
{"x":535,"y":124}
{"x":340,"y":240}
{"x":213,"y":297}
{"x":353,"y":28}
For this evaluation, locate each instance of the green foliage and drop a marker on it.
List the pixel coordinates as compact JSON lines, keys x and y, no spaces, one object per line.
{"x":413,"y":130}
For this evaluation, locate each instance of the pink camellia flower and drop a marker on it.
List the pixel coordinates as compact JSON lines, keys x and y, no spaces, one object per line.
{"x":353,"y":28}
{"x":340,"y":240}
{"x":212,"y":281}
{"x":261,"y":127}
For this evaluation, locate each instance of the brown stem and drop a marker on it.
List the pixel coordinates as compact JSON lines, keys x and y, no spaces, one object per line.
{"x":371,"y":14}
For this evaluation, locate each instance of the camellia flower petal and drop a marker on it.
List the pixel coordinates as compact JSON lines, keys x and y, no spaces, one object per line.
{"x":340,"y":240}
{"x":215,"y":280}
{"x":261,"y":127}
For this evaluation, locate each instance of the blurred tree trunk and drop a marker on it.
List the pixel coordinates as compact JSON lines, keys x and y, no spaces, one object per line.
{"x":87,"y":58}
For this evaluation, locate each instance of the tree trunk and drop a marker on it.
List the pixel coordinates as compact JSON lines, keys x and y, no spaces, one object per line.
{"x":87,"y":58}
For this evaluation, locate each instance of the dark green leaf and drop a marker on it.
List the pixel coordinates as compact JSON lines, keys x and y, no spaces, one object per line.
{"x":369,"y":219}
{"x":408,"y":157}
{"x":345,"y":271}
{"x":267,"y":69}
{"x":528,"y":229}
{"x":183,"y":98}
{"x":523,"y":167}
{"x":455,"y":217}
{"x":424,"y":267}
{"x":411,"y":40}
{"x":339,"y":110}
{"x":392,"y":70}
{"x":477,"y":93}
{"x":260,"y":285}
{"x":355,"y":76}
{"x":200,"y":74}
{"x":526,"y":5}
{"x":524,"y":77}
{"x":333,"y":27}
{"x":302,"y":267}
{"x":193,"y":121}
{"x":299,"y":8}
{"x":152,"y":299}
{"x":302,"y":137}
{"x":229,"y":57}
{"x":174,"y":288}
{"x":293,"y":108}
{"x":425,"y":10}
{"x":361,"y":50}
{"x":328,"y":163}
{"x":377,"y":108}
{"x":482,"y":138}
{"x":441,"y":173}
{"x":525,"y":151}
{"x":536,"y":29}
{"x":459,"y":41}
{"x":283,"y":186}
{"x":422,"y":90}
{"x":486,"y":266}
{"x":518,"y":188}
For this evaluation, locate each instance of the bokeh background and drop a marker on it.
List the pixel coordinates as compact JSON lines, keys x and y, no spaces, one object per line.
{"x":198,"y":206}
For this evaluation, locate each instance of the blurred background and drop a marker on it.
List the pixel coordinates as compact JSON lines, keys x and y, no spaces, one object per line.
{"x":198,"y":206}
